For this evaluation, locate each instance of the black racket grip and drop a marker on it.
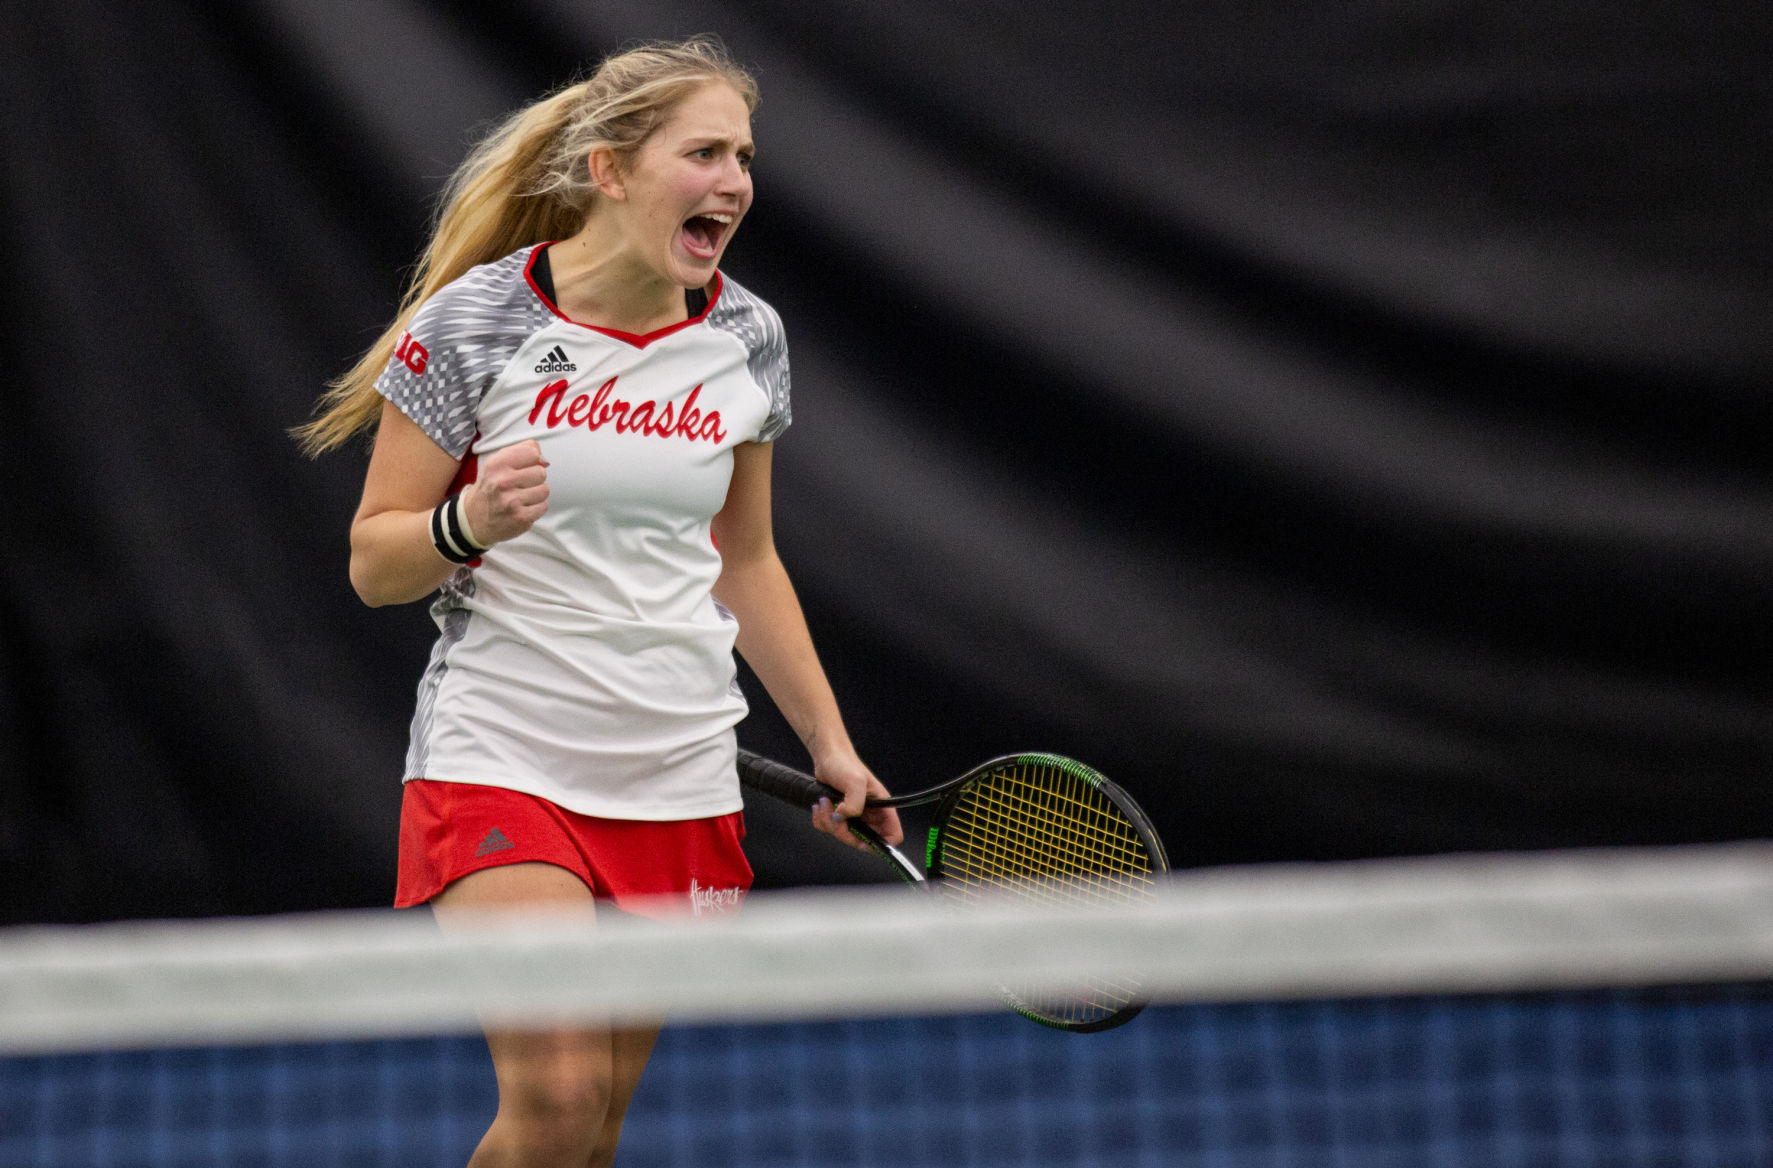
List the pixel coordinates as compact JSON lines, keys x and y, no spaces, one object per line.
{"x":784,"y":782}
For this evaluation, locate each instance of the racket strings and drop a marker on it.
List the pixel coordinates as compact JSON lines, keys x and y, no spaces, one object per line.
{"x":1037,"y":835}
{"x":1007,"y":849}
{"x":1050,"y":827}
{"x":1044,"y":866}
{"x":1052,"y":837}
{"x":1066,"y":800}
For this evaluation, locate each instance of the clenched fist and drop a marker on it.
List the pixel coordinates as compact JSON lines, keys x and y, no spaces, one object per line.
{"x":509,"y":494}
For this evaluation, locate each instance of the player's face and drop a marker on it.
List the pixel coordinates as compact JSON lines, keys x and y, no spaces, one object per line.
{"x":690,"y":184}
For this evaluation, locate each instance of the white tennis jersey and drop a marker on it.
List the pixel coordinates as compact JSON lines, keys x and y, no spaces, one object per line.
{"x":586,"y":660}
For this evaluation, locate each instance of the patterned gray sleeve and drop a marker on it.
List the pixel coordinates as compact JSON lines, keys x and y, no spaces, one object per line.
{"x":459,"y":342}
{"x":756,"y":324}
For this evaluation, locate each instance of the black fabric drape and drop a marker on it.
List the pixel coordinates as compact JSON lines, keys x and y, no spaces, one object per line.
{"x":1345,"y":425}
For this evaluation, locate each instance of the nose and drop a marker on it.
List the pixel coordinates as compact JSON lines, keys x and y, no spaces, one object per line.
{"x":734,"y":179}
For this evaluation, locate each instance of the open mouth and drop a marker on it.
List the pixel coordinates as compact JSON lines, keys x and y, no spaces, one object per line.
{"x":702,"y":233}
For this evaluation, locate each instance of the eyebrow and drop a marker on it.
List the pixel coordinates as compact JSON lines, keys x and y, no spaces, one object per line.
{"x":700,"y":140}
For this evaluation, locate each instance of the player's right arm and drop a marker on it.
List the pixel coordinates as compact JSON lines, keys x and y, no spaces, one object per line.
{"x":392,"y":558}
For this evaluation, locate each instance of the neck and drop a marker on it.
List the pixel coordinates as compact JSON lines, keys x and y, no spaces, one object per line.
{"x":600,"y":280}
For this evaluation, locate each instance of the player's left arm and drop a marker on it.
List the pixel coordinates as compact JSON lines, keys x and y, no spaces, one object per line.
{"x":774,"y":640}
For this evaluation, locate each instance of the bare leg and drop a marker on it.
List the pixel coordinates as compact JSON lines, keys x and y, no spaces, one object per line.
{"x":562,"y":1093}
{"x":629,"y":1048}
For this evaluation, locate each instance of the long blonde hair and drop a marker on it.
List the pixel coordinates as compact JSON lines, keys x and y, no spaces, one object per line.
{"x":526,"y":182}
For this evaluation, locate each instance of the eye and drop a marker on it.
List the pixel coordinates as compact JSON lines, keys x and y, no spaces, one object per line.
{"x":704,"y":152}
{"x":745,"y":160}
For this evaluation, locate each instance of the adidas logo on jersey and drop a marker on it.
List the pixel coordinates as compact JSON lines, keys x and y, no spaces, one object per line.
{"x":556,"y":362}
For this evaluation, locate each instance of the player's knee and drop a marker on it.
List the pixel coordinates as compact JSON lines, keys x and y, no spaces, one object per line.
{"x":561,"y":1107}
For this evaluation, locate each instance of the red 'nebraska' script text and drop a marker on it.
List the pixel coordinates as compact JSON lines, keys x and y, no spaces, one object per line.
{"x":597,"y":411}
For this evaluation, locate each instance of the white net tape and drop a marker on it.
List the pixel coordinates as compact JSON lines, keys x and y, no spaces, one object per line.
{"x":1446,"y":924}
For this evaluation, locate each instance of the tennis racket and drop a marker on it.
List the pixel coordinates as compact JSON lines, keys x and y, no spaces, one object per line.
{"x":1037,"y":826}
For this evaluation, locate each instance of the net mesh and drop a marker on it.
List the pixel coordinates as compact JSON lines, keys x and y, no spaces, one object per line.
{"x":1602,"y":1078}
{"x":1587,"y":1010}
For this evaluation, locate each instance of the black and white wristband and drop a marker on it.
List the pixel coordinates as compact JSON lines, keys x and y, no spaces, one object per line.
{"x":450,"y":533}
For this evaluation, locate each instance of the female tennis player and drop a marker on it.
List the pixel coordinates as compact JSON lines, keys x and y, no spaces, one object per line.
{"x":572,"y":447}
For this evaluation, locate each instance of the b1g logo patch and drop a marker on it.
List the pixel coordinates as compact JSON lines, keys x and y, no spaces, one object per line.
{"x":412,"y":354}
{"x":713,"y":901}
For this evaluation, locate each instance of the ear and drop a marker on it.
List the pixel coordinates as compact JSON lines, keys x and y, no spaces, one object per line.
{"x":606,"y":173}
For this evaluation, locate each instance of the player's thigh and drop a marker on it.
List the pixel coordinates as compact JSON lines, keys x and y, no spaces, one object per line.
{"x":529,"y":883}
{"x":563,"y":1069}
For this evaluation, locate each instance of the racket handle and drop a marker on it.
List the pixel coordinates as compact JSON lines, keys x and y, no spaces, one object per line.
{"x":783,"y":782}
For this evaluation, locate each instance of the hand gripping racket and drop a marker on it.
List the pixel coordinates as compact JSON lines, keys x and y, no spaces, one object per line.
{"x":1037,"y":826}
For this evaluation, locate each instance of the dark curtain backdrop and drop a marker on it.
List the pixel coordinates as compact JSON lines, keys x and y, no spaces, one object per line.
{"x":1345,"y":424}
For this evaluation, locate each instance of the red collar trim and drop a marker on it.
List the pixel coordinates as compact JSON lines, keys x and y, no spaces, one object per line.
{"x":638,"y":341}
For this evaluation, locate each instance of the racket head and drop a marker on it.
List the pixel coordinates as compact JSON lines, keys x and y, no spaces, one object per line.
{"x":1049,"y":829}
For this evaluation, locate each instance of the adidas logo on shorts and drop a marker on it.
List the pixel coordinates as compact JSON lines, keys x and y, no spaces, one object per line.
{"x":495,"y":841}
{"x":556,"y":362}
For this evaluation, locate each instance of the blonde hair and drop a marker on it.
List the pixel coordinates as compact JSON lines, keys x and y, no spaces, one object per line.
{"x":526,"y":182}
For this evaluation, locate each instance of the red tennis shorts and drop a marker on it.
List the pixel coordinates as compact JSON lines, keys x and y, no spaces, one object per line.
{"x":448,"y":830}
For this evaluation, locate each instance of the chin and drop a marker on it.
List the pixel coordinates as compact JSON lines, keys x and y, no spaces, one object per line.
{"x":694,"y":275}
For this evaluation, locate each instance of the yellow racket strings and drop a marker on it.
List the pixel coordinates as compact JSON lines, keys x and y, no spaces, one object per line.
{"x":1047,"y":834}
{"x":1051,"y":836}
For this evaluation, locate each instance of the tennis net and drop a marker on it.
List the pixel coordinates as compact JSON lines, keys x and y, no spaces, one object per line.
{"x":1567,"y":1008}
